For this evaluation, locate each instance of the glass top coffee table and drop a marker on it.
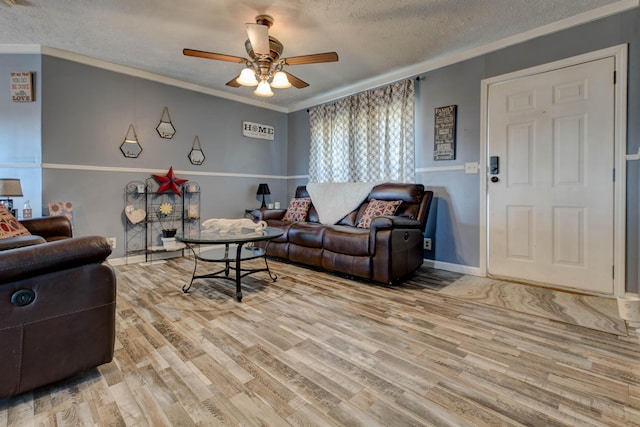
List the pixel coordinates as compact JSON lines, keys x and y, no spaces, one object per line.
{"x":231,"y":249}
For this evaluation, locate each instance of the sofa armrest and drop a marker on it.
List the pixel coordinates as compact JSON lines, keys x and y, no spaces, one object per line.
{"x":49,"y":226}
{"x":265,"y":214}
{"x":388,"y":222}
{"x":20,"y":241}
{"x":30,"y":261}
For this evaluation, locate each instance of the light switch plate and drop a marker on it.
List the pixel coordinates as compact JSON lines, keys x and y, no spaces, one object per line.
{"x":472,"y":167}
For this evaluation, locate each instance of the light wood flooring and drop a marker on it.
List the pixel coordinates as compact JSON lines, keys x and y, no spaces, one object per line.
{"x":314,"y":349}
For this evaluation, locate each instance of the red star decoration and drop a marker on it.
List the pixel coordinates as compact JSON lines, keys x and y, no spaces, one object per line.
{"x":169,"y":182}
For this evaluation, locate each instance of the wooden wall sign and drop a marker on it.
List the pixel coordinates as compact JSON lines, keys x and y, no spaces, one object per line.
{"x":22,"y":86}
{"x":257,"y":130}
{"x":444,"y":138}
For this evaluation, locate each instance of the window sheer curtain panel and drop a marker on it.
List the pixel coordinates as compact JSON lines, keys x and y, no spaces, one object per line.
{"x":366,"y":137}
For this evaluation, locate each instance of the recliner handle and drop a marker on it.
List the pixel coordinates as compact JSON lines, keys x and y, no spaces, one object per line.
{"x":23,"y":297}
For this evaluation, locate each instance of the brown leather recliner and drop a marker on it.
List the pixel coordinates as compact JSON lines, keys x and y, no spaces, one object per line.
{"x":387,"y":252}
{"x":57,"y":305}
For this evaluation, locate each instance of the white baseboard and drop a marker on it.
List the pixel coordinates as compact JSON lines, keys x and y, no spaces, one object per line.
{"x":125,"y":260}
{"x":138,"y":259}
{"x":456,"y":268}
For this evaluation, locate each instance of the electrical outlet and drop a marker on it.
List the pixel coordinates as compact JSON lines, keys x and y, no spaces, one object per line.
{"x":112,"y":242}
{"x":427,"y":244}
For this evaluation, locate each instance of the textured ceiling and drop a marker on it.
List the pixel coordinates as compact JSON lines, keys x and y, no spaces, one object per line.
{"x":372,"y":37}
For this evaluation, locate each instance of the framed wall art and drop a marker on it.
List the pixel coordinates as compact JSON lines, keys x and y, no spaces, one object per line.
{"x":444,"y":135}
{"x":22,"y":86}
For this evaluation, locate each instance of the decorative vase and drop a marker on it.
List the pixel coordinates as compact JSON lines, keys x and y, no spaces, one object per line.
{"x":169,"y":243}
{"x":169,"y":233}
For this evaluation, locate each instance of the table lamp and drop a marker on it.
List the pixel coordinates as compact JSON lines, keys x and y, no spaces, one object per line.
{"x":263,"y":190}
{"x":10,"y":187}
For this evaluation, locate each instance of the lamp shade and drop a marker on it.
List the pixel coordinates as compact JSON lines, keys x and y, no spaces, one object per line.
{"x":263,"y":189}
{"x":280,"y":80}
{"x":247,"y":78}
{"x":263,"y":89}
{"x":12,"y":187}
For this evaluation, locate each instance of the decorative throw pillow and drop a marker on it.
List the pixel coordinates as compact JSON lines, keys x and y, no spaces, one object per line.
{"x":9,"y":225}
{"x":377,"y":208}
{"x":61,"y":209}
{"x":297,"y":210}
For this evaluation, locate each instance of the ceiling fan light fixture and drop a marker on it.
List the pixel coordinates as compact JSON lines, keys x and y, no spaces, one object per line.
{"x":264,"y":67}
{"x":280,"y":80}
{"x":263,"y":89}
{"x":247,"y":78}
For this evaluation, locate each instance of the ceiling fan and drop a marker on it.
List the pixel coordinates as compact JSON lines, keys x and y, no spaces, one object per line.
{"x":264,"y":69}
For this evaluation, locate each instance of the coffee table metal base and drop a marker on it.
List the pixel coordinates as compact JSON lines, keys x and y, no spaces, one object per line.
{"x":225,"y":255}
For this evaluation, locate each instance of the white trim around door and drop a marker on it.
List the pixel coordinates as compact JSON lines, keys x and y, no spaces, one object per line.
{"x":619,"y":53}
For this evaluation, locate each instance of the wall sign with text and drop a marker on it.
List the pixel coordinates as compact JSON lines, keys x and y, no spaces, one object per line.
{"x":257,"y":130}
{"x":22,"y":86}
{"x":444,"y":138}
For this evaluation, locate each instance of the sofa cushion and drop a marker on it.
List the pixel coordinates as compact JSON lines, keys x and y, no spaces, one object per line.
{"x":350,"y":219}
{"x":411,"y":196}
{"x":358,"y":266}
{"x":377,"y":208}
{"x":9,"y":225}
{"x":297,"y":210}
{"x":307,"y":234}
{"x":49,"y":227}
{"x":281,"y":225}
{"x":20,"y":241}
{"x":343,"y":239}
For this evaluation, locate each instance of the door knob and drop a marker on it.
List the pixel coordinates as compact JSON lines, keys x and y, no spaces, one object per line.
{"x":495,"y":179}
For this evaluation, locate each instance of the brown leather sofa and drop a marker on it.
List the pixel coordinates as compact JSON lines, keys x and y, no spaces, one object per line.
{"x":57,"y":305}
{"x":387,"y":252}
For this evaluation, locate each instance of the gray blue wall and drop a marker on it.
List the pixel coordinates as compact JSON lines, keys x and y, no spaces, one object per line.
{"x":85,"y":116}
{"x":20,"y":131}
{"x":455,"y":223}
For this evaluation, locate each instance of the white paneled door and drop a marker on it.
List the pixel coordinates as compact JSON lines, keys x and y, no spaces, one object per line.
{"x":551,"y":199}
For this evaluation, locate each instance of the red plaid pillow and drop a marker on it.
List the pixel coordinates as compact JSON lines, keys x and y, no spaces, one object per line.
{"x":377,"y":208}
{"x":297,"y":210}
{"x":9,"y":225}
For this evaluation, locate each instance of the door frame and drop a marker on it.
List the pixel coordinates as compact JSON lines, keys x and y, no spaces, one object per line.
{"x":619,"y":53}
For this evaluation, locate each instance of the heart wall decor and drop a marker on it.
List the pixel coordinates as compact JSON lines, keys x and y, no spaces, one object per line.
{"x":135,"y":215}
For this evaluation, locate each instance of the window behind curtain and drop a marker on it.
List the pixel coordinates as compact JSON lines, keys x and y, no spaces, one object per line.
{"x":365,"y":137}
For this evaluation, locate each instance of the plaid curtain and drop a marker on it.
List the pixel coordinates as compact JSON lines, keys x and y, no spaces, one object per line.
{"x":365,"y":137}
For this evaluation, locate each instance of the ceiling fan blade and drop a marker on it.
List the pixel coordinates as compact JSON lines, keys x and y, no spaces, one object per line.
{"x":211,"y":55}
{"x":259,"y":38}
{"x":296,"y":81}
{"x":233,"y":82}
{"x":311,"y":59}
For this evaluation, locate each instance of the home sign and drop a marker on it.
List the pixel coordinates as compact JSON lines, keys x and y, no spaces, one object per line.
{"x":257,"y":130}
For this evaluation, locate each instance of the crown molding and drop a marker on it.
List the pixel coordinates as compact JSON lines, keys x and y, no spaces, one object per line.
{"x":433,"y":64}
{"x":20,"y":49}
